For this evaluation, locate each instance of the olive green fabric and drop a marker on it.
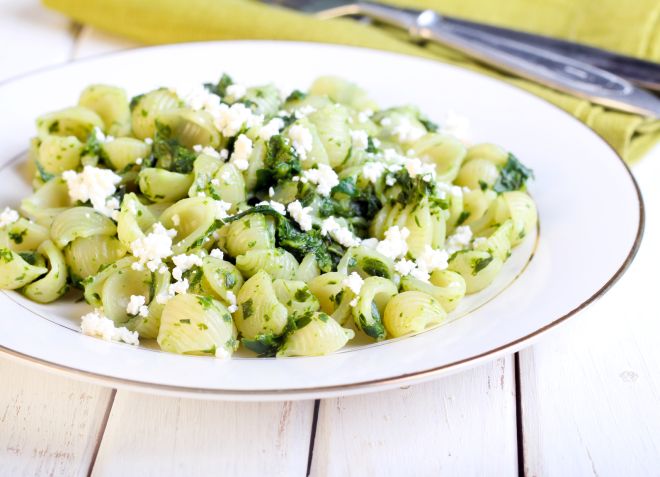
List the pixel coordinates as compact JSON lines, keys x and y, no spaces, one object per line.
{"x":630,"y":27}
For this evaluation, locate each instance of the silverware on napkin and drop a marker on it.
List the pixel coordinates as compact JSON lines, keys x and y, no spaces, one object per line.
{"x":597,"y":75}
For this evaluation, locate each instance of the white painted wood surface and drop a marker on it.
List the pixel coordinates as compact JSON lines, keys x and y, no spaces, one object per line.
{"x":461,"y":425}
{"x":157,"y":436}
{"x":589,"y":392}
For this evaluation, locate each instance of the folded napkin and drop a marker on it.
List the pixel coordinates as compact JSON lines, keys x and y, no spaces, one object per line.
{"x":630,"y":27}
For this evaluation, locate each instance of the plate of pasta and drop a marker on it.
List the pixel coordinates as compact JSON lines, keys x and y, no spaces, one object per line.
{"x":232,"y":228}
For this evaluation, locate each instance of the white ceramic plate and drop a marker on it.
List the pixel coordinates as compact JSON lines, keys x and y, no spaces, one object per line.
{"x":590,"y":210}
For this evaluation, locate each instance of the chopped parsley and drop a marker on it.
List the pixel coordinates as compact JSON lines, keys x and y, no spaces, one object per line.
{"x":512,"y":176}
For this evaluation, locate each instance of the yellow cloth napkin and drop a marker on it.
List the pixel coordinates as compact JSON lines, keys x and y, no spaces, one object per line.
{"x":630,"y":27}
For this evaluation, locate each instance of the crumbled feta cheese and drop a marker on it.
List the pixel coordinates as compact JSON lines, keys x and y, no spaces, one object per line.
{"x":454,"y":190}
{"x":304,"y":111}
{"x":8,"y":217}
{"x":390,"y":180}
{"x":373,"y":171}
{"x":231,"y":298}
{"x":208,"y":150}
{"x":459,"y":240}
{"x":364,"y":116}
{"x":92,"y":184}
{"x":360,"y":140}
{"x":179,"y":287}
{"x":432,"y":259}
{"x":153,"y":248}
{"x":371,"y":243}
{"x":300,"y":214}
{"x":479,"y":242}
{"x":224,"y":154}
{"x":183,"y":263}
{"x":197,"y":97}
{"x":231,"y":119}
{"x":235,"y":92}
{"x":324,"y":177}
{"x":271,"y":129}
{"x":339,"y":233}
{"x":148,"y":141}
{"x":221,"y":209}
{"x":136,"y":306}
{"x":276,"y":206}
{"x":404,"y":267}
{"x":301,"y":139}
{"x":406,"y":131}
{"x":217,"y":253}
{"x":386,"y":121}
{"x":131,"y":207}
{"x":415,"y":168}
{"x":98,"y":325}
{"x":215,"y":182}
{"x":139,"y":161}
{"x":354,"y":283}
{"x":242,"y":151}
{"x":456,"y":125}
{"x":271,"y":192}
{"x":100,"y":137}
{"x":394,"y":245}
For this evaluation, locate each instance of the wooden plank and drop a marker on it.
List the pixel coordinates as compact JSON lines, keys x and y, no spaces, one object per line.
{"x":32,"y":37}
{"x":460,"y":425}
{"x":161,"y":436}
{"x":590,"y":392}
{"x":48,"y":425}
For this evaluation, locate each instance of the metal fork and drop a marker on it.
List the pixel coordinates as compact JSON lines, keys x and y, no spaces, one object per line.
{"x":534,"y":57}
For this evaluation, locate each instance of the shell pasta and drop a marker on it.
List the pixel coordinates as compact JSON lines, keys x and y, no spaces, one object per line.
{"x":220,"y":216}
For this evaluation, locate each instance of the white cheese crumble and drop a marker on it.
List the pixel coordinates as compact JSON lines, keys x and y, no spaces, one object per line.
{"x":148,"y":141}
{"x":363,"y":116}
{"x":479,"y":242}
{"x":217,"y":253}
{"x":235,"y":92}
{"x":432,"y":259}
{"x":139,"y":161}
{"x":271,"y":192}
{"x":197,"y":97}
{"x":208,"y":150}
{"x":151,"y":249}
{"x":445,"y":188}
{"x":324,"y":177}
{"x":301,"y":215}
{"x":415,"y":168}
{"x":271,"y":129}
{"x":339,"y":233}
{"x":136,"y":306}
{"x":242,"y":151}
{"x":404,"y":267}
{"x":231,"y":298}
{"x":394,"y":245}
{"x":221,"y":209}
{"x":231,"y":119}
{"x":459,"y":240}
{"x":354,"y":283}
{"x":371,"y":243}
{"x":176,"y":220}
{"x":373,"y":171}
{"x":215,"y":182}
{"x":406,"y":131}
{"x":179,"y":287}
{"x":183,"y":263}
{"x":301,"y":139}
{"x":360,"y":140}
{"x":98,"y":325}
{"x":276,"y":206}
{"x":95,"y":185}
{"x":304,"y":111}
{"x":8,"y":217}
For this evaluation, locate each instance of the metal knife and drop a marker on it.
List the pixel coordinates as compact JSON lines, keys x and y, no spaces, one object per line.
{"x":508,"y":53}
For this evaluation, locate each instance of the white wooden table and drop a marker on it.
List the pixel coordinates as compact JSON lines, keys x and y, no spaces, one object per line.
{"x":584,"y":400}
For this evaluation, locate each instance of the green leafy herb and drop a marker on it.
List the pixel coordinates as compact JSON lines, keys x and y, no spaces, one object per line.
{"x":281,"y":163}
{"x":169,"y":153}
{"x":135,"y":100}
{"x":247,"y":309}
{"x":17,"y":237}
{"x":427,"y":123}
{"x":205,"y":301}
{"x":43,"y":174}
{"x":512,"y":176}
{"x":6,"y":255}
{"x":375,"y":267}
{"x":296,"y":95}
{"x":265,"y":345}
{"x":462,"y":218}
{"x":481,"y":263}
{"x":29,"y":257}
{"x":220,"y":88}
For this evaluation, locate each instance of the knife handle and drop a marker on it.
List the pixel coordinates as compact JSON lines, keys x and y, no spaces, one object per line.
{"x":641,"y":72}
